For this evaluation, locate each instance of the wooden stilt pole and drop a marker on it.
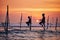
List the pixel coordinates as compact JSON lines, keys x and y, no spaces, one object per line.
{"x":47,"y":22}
{"x":20,"y":21}
{"x":56,"y":23}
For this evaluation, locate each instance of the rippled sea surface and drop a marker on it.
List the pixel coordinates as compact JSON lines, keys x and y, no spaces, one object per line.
{"x":36,"y":33}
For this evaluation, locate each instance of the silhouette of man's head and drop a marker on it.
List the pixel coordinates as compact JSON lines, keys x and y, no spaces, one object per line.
{"x":28,"y":16}
{"x":43,"y":14}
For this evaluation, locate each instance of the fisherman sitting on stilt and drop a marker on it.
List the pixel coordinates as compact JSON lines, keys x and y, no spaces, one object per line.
{"x":29,"y":21}
{"x":43,"y":21}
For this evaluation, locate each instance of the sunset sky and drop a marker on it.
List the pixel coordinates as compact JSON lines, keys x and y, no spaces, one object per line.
{"x":32,"y":8}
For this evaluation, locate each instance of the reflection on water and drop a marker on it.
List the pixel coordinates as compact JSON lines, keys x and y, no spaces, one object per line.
{"x":35,"y":34}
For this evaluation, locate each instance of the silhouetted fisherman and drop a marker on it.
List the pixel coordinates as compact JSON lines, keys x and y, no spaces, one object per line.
{"x":43,"y":21}
{"x":29,"y":22}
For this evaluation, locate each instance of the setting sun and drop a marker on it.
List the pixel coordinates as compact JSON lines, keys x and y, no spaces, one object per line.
{"x":37,"y":20}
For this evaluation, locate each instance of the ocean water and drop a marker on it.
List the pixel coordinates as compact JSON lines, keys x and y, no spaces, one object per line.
{"x":36,"y":33}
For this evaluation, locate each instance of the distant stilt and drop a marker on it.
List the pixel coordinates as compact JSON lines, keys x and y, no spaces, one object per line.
{"x":6,"y":23}
{"x":51,"y":22}
{"x":20,"y":21}
{"x":56,"y":23}
{"x":47,"y":22}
